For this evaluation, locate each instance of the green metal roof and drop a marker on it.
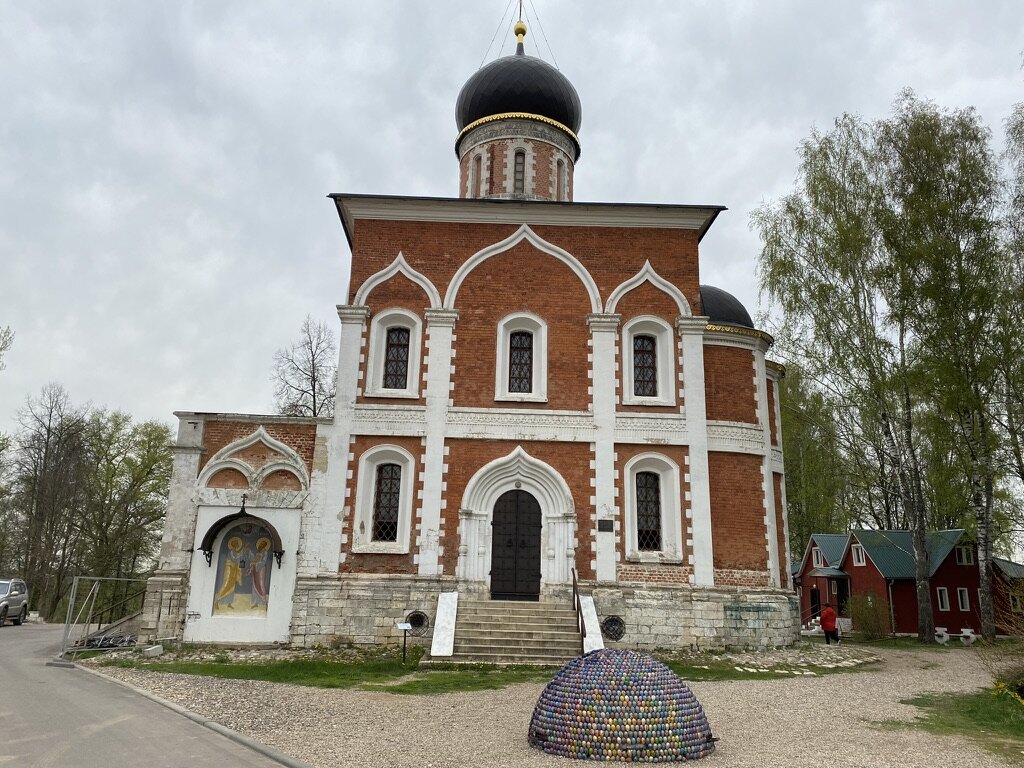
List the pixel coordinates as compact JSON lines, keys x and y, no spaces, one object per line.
{"x":892,"y":552}
{"x":1009,"y":568}
{"x":832,"y":546}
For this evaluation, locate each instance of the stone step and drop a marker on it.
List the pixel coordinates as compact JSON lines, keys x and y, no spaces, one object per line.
{"x":563,"y":623}
{"x":538,"y":632}
{"x":515,"y":609}
{"x":476,"y":645}
{"x":508,"y":657}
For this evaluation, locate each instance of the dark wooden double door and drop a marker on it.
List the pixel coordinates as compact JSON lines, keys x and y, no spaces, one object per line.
{"x":515,"y":547}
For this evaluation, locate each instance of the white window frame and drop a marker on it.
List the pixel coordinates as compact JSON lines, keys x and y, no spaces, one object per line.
{"x":817,"y":559}
{"x":963,"y":599}
{"x":964,"y":556}
{"x":857,"y":551}
{"x":362,"y":523}
{"x":382,"y":321}
{"x":942,"y":597}
{"x":671,"y":529}
{"x":664,"y":342}
{"x":522,"y":321}
{"x":835,"y":587}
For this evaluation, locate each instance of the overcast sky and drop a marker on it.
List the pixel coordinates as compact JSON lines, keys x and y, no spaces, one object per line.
{"x":164,"y":167}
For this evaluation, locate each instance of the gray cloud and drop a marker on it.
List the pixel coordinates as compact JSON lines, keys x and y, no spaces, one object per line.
{"x":163,"y":167}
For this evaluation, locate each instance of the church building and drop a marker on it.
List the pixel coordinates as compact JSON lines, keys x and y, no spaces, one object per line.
{"x":531,"y":392}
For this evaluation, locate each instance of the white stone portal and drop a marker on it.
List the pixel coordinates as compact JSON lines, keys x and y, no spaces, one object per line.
{"x":517,"y":471}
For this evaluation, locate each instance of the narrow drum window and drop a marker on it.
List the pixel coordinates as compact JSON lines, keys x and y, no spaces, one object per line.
{"x":560,"y":181}
{"x":477,"y":171}
{"x":645,"y":366}
{"x":386,"y":501}
{"x":519,"y":178}
{"x":396,"y":359}
{"x":520,"y":362}
{"x":648,"y":511}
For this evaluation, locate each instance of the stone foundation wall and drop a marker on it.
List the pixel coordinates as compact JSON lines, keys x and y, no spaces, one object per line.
{"x":362,"y":610}
{"x":679,"y":617}
{"x":163,"y":610}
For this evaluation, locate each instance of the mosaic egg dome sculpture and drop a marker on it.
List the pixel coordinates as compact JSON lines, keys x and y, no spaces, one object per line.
{"x":620,"y":705}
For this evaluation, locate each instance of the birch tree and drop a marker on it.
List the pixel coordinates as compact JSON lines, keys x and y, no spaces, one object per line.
{"x":305,"y":374}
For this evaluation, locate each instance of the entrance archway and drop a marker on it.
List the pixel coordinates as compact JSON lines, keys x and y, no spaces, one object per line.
{"x":515,"y":548}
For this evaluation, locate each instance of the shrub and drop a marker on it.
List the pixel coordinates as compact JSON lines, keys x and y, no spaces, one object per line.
{"x":870,"y":616}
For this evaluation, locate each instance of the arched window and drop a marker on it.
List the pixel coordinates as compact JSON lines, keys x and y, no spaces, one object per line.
{"x":648,"y":512}
{"x":394,"y":362}
{"x":521,"y":371}
{"x":386,"y":497}
{"x":396,"y":358}
{"x":653,"y":510}
{"x":645,"y":365}
{"x":650,"y":377}
{"x":520,"y":362}
{"x":477,"y":175}
{"x":560,"y":181}
{"x":519,"y":173}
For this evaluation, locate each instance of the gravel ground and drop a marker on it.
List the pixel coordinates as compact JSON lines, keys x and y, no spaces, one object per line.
{"x":798,"y":722}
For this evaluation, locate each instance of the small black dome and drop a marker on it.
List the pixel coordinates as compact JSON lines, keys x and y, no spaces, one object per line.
{"x":519,"y":83}
{"x":723,"y":307}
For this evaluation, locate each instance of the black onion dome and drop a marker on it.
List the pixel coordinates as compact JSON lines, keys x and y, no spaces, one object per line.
{"x":519,"y":83}
{"x":622,"y":706}
{"x":723,"y":307}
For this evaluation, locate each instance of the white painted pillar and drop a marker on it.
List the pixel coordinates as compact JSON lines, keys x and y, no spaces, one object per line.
{"x":771,"y":529}
{"x":440,"y":329}
{"x":604,"y":332}
{"x":180,"y":521}
{"x":691,"y":334}
{"x":334,"y":485}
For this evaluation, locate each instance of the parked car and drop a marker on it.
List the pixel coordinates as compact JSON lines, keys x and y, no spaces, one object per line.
{"x":13,"y":601}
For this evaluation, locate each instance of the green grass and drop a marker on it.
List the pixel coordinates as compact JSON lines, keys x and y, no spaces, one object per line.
{"x":993,"y":720}
{"x":459,"y":679}
{"x":311,"y":672}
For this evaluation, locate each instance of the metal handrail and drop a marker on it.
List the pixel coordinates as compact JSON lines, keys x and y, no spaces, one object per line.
{"x":577,"y":605}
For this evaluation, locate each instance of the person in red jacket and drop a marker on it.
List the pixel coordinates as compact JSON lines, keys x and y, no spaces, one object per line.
{"x":828,"y":624}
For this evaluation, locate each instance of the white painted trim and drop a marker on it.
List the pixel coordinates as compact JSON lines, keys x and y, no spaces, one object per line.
{"x":224,"y":459}
{"x":523,"y":233}
{"x":382,"y":322}
{"x":594,"y":641}
{"x":398,"y":267}
{"x":535,"y":325}
{"x":671,"y":511}
{"x":362,"y":523}
{"x":649,"y":275}
{"x":356,"y":207}
{"x":665,"y":346}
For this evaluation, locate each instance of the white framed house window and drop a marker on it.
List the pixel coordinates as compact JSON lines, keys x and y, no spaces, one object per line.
{"x":816,"y":558}
{"x":394,"y":361}
{"x":835,"y":587}
{"x":383,"y":513}
{"x":858,"y":555}
{"x":964,"y":556}
{"x":653,"y":530}
{"x":963,"y":599}
{"x":521,"y":373}
{"x":942,"y":594}
{"x":648,"y":362}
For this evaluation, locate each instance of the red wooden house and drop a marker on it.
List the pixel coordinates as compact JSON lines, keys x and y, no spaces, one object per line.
{"x":880,"y":564}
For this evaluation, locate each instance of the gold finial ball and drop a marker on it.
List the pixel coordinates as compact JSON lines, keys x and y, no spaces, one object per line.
{"x":520,"y":29}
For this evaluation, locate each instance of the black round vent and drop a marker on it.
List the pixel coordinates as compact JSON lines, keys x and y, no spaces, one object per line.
{"x":419,"y":622}
{"x":613,"y":627}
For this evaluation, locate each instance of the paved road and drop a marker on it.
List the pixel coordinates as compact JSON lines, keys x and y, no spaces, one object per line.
{"x":52,"y":717}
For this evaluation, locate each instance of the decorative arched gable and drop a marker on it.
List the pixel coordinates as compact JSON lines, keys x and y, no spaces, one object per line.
{"x":398,"y":267}
{"x":229,"y":457}
{"x":524,"y":233}
{"x":647,"y":274}
{"x":500,"y":475}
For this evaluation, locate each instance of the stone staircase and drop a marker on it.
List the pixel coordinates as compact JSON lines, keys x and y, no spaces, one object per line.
{"x":509,"y":632}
